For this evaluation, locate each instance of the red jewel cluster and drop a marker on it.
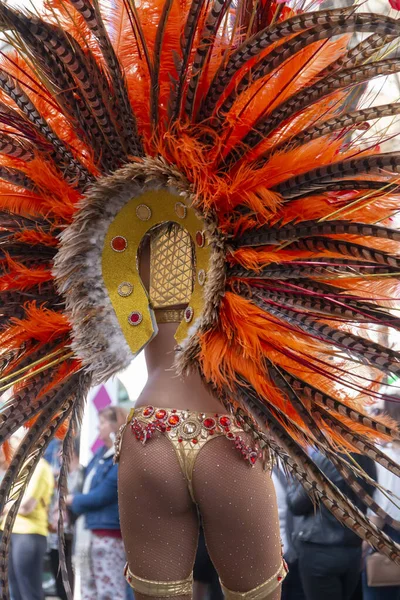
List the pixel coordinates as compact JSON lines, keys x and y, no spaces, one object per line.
{"x":162,"y":420}
{"x":247,"y":451}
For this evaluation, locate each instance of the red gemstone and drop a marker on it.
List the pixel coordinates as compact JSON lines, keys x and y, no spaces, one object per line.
{"x":230,"y":435}
{"x":200,"y":239}
{"x":194,"y":441}
{"x":161,"y":414}
{"x":279,"y":578}
{"x":135,"y":318}
{"x":211,"y":432}
{"x":253,"y":457}
{"x":224,"y":421}
{"x":209,"y":423}
{"x":173,"y":420}
{"x":148,"y":411}
{"x":188,"y":314}
{"x":180,"y":440}
{"x":119,"y":243}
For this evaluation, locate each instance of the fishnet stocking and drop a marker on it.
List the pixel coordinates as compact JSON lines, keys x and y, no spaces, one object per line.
{"x":159,"y":520}
{"x":240,"y":517}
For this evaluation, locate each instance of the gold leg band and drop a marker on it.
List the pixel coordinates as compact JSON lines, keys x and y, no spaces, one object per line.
{"x":261,"y":591}
{"x":162,"y":589}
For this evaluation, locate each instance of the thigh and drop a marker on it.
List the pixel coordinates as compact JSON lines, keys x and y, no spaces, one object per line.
{"x":318,"y":574}
{"x":240,"y":518}
{"x":28,"y":558}
{"x":352,"y":571}
{"x":88,"y":581}
{"x":159,"y":521}
{"x":108,"y":558}
{"x":12,"y":578}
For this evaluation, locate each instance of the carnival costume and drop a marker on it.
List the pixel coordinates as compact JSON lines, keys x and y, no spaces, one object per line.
{"x":234,"y":121}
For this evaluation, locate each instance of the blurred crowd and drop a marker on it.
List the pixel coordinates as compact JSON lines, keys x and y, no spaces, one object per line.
{"x":93,"y":544}
{"x":326,"y":560}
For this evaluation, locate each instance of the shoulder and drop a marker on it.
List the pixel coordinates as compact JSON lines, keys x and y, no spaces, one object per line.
{"x":99,"y":454}
{"x":104,"y":464}
{"x":95,"y":459}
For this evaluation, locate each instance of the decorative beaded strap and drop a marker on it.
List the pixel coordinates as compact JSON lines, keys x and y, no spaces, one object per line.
{"x":191,"y":427}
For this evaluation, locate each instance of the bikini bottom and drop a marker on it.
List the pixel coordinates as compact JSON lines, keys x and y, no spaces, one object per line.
{"x":188,"y":432}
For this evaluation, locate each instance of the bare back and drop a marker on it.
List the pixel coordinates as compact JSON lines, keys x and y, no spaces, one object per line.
{"x":164,"y":387}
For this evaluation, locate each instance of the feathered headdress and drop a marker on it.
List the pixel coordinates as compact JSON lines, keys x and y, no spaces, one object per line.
{"x":242,"y":114}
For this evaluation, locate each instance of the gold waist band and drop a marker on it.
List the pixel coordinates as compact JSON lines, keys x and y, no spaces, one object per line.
{"x":169,"y":315}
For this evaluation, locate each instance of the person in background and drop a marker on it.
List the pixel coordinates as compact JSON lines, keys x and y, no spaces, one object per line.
{"x":292,"y":588}
{"x":104,"y":577}
{"x":29,"y":536}
{"x":75,"y":484}
{"x":329,"y":554}
{"x":52,"y":454}
{"x":281,"y":483}
{"x":387,"y":480}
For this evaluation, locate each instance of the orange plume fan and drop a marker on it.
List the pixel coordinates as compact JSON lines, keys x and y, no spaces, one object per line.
{"x":252,"y":115}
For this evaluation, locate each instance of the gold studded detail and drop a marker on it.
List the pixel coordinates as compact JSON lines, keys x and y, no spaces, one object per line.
{"x":135,"y":318}
{"x":125,"y":289}
{"x":189,"y":429}
{"x":200,"y":239}
{"x":201,"y":276}
{"x":119,"y":243}
{"x":180,"y":210}
{"x":189,"y":314}
{"x":143,"y":212}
